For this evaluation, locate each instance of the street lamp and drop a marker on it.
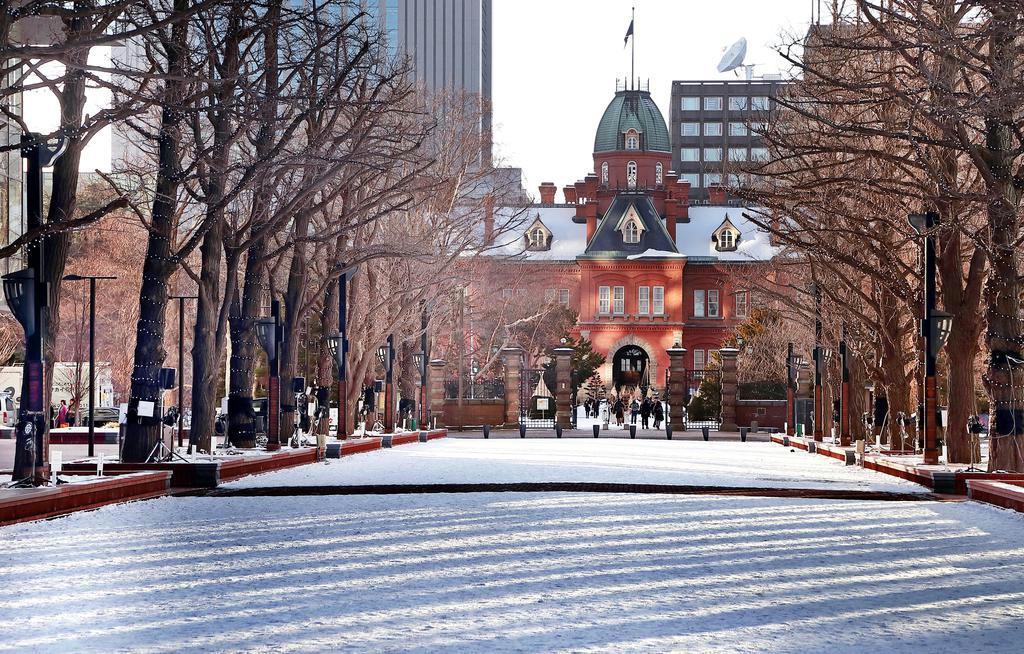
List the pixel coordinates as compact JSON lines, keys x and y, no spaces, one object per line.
{"x":268,"y":334}
{"x":92,"y":351}
{"x":386,"y":357}
{"x":935,"y":329}
{"x":793,"y":363}
{"x":335,"y":348}
{"x":181,"y":368}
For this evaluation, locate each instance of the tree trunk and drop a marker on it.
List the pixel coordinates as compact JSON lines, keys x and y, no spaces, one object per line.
{"x":207,"y":341}
{"x":241,"y":417}
{"x":293,"y":300}
{"x":143,"y":432}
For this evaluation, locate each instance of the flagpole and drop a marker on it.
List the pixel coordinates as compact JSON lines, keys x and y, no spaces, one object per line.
{"x":632,"y":44}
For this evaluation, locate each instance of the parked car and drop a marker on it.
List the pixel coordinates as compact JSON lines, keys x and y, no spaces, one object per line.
{"x":102,"y":415}
{"x":8,"y":410}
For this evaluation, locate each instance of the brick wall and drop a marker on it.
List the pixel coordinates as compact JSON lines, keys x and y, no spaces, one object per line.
{"x":766,"y":413}
{"x":474,"y":413}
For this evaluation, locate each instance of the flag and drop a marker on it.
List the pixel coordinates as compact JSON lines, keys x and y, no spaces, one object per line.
{"x":629,"y":33}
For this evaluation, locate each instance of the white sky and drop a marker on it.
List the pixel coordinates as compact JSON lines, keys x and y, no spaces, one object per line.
{"x":555,"y":63}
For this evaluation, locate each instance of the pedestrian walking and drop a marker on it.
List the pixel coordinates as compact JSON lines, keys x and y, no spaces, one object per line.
{"x":619,"y":409}
{"x":634,"y":411}
{"x":659,"y":414}
{"x":645,"y":414}
{"x":62,"y":414}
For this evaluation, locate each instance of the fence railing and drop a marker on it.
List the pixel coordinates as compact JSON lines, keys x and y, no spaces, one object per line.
{"x":481,"y":389}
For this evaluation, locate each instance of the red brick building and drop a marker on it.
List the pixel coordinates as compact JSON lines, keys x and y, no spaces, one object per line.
{"x":644,"y":267}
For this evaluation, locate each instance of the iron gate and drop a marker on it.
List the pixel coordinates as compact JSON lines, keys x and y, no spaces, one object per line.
{"x":536,"y":402}
{"x":703,"y":399}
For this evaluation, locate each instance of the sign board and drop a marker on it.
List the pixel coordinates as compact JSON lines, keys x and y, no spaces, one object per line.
{"x":146,"y":408}
{"x":542,"y":403}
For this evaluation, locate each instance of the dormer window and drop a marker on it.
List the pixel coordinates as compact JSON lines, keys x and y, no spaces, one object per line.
{"x":632,"y":140}
{"x":631,"y":174}
{"x":538,"y":237}
{"x":659,"y":174}
{"x":631,"y":226}
{"x":726,"y":237}
{"x":604,"y":173}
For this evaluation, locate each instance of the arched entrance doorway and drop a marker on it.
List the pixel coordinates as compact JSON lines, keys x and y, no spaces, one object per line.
{"x":630,"y":368}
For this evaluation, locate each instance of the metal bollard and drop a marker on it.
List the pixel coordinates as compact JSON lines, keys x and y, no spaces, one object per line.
{"x":704,"y":430}
{"x":522,"y":430}
{"x":632,"y":431}
{"x":743,"y":434}
{"x":558,"y":431}
{"x":487,"y":431}
{"x":597,"y":430}
{"x":668,"y":430}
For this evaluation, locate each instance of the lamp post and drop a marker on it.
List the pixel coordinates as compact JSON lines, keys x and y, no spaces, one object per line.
{"x":935,"y":328}
{"x":181,"y":365}
{"x":268,"y":333}
{"x":92,"y":350}
{"x":339,"y":348}
{"x":793,"y":364}
{"x":819,"y":411}
{"x":27,"y":295}
{"x":420,"y":361}
{"x":386,"y":356}
{"x":870,"y":423}
{"x":845,"y":426}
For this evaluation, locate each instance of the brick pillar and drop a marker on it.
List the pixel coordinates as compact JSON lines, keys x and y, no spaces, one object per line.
{"x":435,"y":396}
{"x":728,"y":355}
{"x":563,"y":386}
{"x":513,"y":359}
{"x":676,"y":387}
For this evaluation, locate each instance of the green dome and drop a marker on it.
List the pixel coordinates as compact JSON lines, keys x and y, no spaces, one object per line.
{"x":633,"y":109}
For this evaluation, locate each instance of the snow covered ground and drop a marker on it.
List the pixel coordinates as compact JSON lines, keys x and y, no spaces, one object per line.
{"x":453,"y":460}
{"x":538,"y":572}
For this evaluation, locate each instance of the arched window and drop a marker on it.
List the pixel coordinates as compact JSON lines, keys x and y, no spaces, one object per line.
{"x":727,"y":240}
{"x":604,"y":173}
{"x":631,"y":232}
{"x":631,"y":174}
{"x":632,"y":140}
{"x":659,"y":174}
{"x":537,"y":239}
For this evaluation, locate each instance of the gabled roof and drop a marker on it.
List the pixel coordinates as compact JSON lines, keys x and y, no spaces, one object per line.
{"x":607,"y":241}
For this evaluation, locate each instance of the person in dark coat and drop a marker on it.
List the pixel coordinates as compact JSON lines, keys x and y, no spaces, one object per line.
{"x":620,"y":411}
{"x":634,"y":411}
{"x":645,"y":414}
{"x":659,"y":414}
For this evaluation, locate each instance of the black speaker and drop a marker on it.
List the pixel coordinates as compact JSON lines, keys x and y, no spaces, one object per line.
{"x":167,"y":378}
{"x":298,"y":384}
{"x":323,"y":395}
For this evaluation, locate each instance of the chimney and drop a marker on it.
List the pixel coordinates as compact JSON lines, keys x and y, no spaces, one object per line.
{"x":682,"y":196}
{"x":547,"y":193}
{"x":489,"y":220}
{"x":717,"y":195}
{"x":671,"y":179}
{"x":671,"y":211}
{"x":590,"y":211}
{"x":570,"y":194}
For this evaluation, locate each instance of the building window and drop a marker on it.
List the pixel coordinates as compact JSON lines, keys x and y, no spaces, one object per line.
{"x":604,"y":173}
{"x":631,"y":232}
{"x":737,"y":154}
{"x":549,"y":296}
{"x":563,"y":296}
{"x":712,"y":154}
{"x":689,"y":154}
{"x":521,"y":292}
{"x":713,"y":103}
{"x":659,"y":300}
{"x":712,"y":178}
{"x":506,"y":293}
{"x":631,"y":174}
{"x":643,"y":301}
{"x":604,"y":298}
{"x":738,"y":104}
{"x":741,"y":304}
{"x":712,"y":129}
{"x":689,"y":103}
{"x":712,"y":304}
{"x":619,"y":300}
{"x":698,"y":304}
{"x":659,"y":174}
{"x":759,"y":103}
{"x":632,"y":140}
{"x":692,"y":178}
{"x":689,"y":129}
{"x":758,"y":128}
{"x":738,"y":129}
{"x":759,"y":154}
{"x":538,"y":239}
{"x":726,"y":240}
{"x":698,"y":359}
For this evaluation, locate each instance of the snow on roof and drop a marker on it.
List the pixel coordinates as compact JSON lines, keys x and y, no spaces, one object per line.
{"x":693,"y":239}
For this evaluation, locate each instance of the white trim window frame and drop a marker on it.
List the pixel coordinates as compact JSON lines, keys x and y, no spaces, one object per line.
{"x":698,"y":360}
{"x":698,"y":304}
{"x":619,"y":300}
{"x":742,"y":304}
{"x":604,"y":299}
{"x":563,"y":297}
{"x":713,"y":306}
{"x":658,"y":301}
{"x":643,"y":300}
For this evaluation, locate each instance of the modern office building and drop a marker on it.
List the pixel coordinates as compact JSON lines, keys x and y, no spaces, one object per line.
{"x":449,"y":43}
{"x":715,"y":123}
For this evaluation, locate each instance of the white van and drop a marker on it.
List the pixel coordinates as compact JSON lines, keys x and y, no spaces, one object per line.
{"x":8,"y":410}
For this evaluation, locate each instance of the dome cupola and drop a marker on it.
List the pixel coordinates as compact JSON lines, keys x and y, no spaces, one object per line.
{"x":632,"y":122}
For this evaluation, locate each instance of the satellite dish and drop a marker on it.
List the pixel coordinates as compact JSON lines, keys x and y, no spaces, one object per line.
{"x":733,"y":57}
